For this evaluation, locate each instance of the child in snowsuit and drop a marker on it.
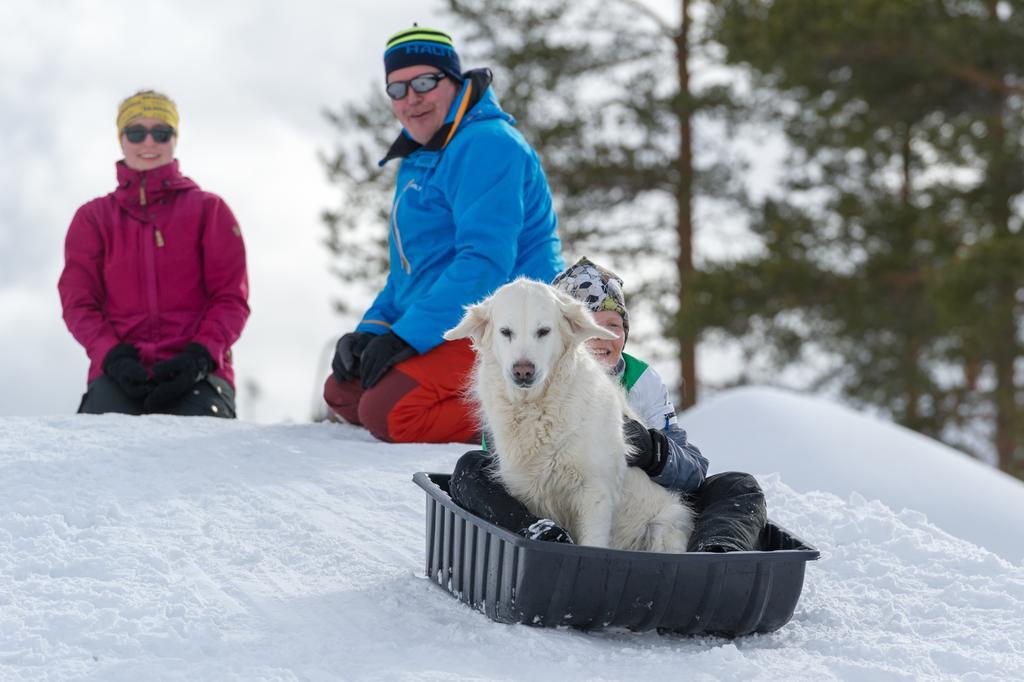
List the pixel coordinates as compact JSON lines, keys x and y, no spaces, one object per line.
{"x":730,"y":506}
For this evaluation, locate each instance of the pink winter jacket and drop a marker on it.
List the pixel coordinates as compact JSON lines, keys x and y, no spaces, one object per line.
{"x":157,"y":263}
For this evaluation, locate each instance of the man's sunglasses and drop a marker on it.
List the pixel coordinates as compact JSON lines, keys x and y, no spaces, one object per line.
{"x":421,"y":84}
{"x":160,"y":134}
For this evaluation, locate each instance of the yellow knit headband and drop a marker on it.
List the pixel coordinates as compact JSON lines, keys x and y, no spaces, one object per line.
{"x":150,"y":104}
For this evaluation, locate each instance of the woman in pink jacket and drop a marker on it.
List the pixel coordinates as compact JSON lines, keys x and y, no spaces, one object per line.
{"x":154,"y":283}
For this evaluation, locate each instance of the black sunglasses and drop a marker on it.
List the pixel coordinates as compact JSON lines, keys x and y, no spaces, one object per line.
{"x":160,"y":134}
{"x":421,"y":84}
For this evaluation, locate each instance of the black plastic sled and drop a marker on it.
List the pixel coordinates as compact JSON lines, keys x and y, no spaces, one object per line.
{"x":515,"y":580}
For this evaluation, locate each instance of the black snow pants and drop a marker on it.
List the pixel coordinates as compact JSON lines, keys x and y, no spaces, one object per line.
{"x":729,"y":506}
{"x":211,"y":397}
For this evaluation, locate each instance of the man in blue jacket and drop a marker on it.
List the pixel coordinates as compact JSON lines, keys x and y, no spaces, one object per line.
{"x":472,"y":211}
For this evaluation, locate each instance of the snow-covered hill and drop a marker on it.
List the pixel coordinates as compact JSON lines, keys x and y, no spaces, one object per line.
{"x":167,"y":548}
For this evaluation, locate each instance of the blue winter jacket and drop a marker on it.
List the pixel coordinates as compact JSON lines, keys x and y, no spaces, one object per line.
{"x":472,"y":211}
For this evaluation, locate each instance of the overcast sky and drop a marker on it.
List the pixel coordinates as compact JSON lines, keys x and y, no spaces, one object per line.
{"x":250,"y":80}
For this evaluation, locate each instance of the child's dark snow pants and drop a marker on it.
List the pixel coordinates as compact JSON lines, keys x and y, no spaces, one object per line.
{"x":729,"y":506}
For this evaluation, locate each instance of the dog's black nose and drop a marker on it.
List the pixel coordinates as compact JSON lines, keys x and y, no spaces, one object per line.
{"x":522,"y":373}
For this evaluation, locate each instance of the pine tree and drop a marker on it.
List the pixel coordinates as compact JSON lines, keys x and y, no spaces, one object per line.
{"x":896,"y":248}
{"x":357,"y":228}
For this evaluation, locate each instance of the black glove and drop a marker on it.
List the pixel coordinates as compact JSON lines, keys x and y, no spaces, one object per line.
{"x":176,"y":376}
{"x":547,"y":530}
{"x":123,"y":366}
{"x":345,"y":364}
{"x":650,"y":445}
{"x":380,"y":353}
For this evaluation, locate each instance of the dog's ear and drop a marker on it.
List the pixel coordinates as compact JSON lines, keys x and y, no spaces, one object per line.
{"x":581,"y":322}
{"x":473,"y":324}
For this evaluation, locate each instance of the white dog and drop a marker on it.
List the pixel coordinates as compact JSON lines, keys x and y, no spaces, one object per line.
{"x":556,"y":418}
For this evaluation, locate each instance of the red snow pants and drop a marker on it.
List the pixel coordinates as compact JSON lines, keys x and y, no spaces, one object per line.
{"x":420,"y":400}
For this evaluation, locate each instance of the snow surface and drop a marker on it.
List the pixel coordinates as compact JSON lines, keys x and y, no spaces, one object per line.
{"x":199,"y":549}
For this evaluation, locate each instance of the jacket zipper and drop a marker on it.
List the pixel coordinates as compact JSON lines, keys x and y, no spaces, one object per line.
{"x":394,"y":228}
{"x":151,"y":284}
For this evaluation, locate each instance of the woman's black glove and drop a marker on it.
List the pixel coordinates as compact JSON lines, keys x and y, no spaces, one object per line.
{"x":650,"y":446}
{"x":345,"y":364}
{"x":123,"y":366}
{"x":380,"y":354}
{"x":176,"y":376}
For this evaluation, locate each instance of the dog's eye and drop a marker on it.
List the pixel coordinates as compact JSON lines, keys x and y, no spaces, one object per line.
{"x":543,"y":331}
{"x":506,"y":332}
